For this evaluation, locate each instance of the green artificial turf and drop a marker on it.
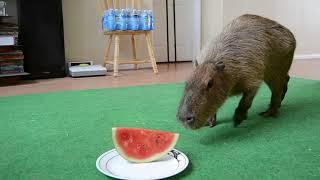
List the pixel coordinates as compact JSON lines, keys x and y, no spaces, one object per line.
{"x":60,"y":135}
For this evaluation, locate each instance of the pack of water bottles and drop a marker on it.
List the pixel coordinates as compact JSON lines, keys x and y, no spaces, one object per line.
{"x":127,"y":20}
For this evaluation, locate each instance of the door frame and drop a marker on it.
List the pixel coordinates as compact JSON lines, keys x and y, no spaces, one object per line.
{"x":197,"y":29}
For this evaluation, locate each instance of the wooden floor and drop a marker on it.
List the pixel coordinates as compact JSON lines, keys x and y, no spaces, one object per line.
{"x":168,"y":73}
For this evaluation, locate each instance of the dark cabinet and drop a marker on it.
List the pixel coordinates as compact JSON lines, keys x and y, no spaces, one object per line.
{"x":41,"y":34}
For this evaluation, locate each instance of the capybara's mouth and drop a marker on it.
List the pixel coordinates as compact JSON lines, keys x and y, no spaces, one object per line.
{"x":187,"y":125}
{"x":192,"y":126}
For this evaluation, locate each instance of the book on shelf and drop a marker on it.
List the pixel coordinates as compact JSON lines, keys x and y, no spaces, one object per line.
{"x":12,"y":71}
{"x":8,"y":34}
{"x":4,"y":64}
{"x":10,"y":64}
{"x":11,"y":55}
{"x":8,"y":30}
{"x":9,"y":25}
{"x":11,"y":52}
{"x":7,"y":67}
{"x":7,"y":40}
{"x":11,"y":58}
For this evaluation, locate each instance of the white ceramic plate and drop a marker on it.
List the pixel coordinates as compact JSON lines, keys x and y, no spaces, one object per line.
{"x":113,"y":165}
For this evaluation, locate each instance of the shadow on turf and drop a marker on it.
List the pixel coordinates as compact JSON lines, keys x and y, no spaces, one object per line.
{"x":256,"y":123}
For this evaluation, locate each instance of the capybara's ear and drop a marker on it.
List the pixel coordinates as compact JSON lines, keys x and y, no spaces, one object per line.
{"x":220,"y":66}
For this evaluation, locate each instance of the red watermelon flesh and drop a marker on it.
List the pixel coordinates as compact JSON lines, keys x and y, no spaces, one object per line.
{"x":143,"y":145}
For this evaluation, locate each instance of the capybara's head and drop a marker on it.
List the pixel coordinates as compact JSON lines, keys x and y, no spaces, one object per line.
{"x":205,"y":91}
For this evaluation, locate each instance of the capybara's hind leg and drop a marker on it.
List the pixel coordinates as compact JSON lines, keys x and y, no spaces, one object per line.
{"x":244,"y":105}
{"x":278,"y":88}
{"x":285,"y":88}
{"x":286,"y":68}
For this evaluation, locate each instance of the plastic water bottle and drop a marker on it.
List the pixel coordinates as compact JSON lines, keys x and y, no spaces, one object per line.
{"x":110,"y":20}
{"x":104,"y":21}
{"x":150,"y":13}
{"x":144,"y":21}
{"x":121,"y":19}
{"x":116,"y":18}
{"x":129,"y":14}
{"x":133,"y":20}
{"x":138,"y":16}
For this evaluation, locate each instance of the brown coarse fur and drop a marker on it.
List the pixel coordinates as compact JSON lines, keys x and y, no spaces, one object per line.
{"x":250,"y":50}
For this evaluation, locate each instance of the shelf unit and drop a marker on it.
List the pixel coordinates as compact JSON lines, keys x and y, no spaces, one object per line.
{"x":12,"y":63}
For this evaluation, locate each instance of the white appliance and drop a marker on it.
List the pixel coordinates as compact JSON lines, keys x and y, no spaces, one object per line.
{"x":86,"y":71}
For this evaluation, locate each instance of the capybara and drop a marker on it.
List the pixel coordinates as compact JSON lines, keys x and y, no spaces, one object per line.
{"x":251,"y":49}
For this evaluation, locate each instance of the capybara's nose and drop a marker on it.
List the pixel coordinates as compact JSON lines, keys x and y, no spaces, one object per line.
{"x":187,"y":118}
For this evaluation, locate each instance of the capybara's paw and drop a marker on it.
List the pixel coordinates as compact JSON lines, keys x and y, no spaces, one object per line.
{"x":238,"y":118}
{"x":269,"y":113}
{"x":211,"y":122}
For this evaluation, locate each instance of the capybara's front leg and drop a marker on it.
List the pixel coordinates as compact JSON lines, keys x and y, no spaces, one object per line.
{"x":243,"y":107}
{"x":212,"y":121}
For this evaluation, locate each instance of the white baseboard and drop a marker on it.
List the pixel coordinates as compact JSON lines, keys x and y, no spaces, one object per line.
{"x":306,"y":56}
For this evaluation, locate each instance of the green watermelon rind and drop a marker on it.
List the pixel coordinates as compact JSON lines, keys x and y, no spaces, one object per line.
{"x":155,"y":157}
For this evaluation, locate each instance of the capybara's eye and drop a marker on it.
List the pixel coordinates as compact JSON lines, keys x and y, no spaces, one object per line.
{"x":210,"y":84}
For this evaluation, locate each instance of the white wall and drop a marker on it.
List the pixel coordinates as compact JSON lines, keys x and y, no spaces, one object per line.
{"x":301,"y":17}
{"x":212,"y":19}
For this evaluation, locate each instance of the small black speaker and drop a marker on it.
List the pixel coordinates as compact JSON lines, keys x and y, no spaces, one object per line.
{"x":41,"y":35}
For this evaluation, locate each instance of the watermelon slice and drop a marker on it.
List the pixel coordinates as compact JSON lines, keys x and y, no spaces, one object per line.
{"x":143,"y":145}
